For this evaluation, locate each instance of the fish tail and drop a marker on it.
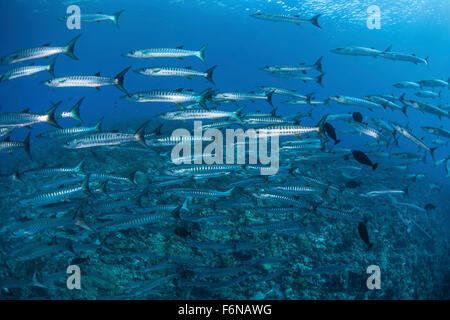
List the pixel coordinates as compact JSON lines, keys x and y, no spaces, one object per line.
{"x":205,"y":95}
{"x":269,"y":96}
{"x":85,"y":185}
{"x":36,"y":282}
{"x":75,"y":111}
{"x":237,"y":114}
{"x":79,"y":167}
{"x":118,"y":80}
{"x":320,"y":125}
{"x":68,"y":49}
{"x":26,"y":145}
{"x":308,"y":97}
{"x":132,"y":177}
{"x":319,"y":79}
{"x":98,"y":126}
{"x":51,"y":67}
{"x":229,"y":192}
{"x":432,"y":151}
{"x":375,"y":166}
{"x":115,"y":17}
{"x":140,"y":138}
{"x":201,"y":53}
{"x":315,"y":21}
{"x":318,"y":65}
{"x":209,"y":74}
{"x":51,"y":115}
{"x":337,"y":141}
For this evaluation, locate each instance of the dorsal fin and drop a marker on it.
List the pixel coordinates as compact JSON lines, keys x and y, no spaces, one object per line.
{"x":189,"y":67}
{"x":97,"y":74}
{"x":99,"y":12}
{"x":179,"y":90}
{"x":414,"y":54}
{"x":180,"y":47}
{"x":46,"y":45}
{"x":26,"y":110}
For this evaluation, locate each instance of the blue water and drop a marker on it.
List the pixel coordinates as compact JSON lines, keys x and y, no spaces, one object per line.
{"x":240,"y":45}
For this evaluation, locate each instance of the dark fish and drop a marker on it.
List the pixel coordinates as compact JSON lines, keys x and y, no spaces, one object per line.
{"x":331,"y":132}
{"x":357,"y":116}
{"x":362,"y":158}
{"x":364,"y":234}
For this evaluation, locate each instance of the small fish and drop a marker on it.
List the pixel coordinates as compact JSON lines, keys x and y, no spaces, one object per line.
{"x":357,"y":116}
{"x":40,"y":52}
{"x":286,"y":18}
{"x":362,"y":158}
{"x":178,"y":52}
{"x":27,"y":71}
{"x":177,"y":72}
{"x":331,"y":132}
{"x":97,"y":17}
{"x":96,"y":81}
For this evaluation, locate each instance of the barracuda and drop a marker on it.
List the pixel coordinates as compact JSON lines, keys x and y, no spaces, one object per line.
{"x":440,"y":132}
{"x":277,"y":197}
{"x":60,"y":195}
{"x":96,"y":81}
{"x":199,"y":193}
{"x":177,"y":72}
{"x":352,"y":101}
{"x":358,"y":51}
{"x":293,"y":130}
{"x":202,"y":114}
{"x":173,"y":96}
{"x":238,"y":96}
{"x":424,"y":107}
{"x":284,"y":92}
{"x":368,"y":131}
{"x":397,"y":56}
{"x":384,"y":102}
{"x":71,"y":132}
{"x":27,"y":71}
{"x":302,"y":67}
{"x":7,"y":146}
{"x":57,"y":171}
{"x":434,"y":83}
{"x":372,"y":194}
{"x":108,"y":139}
{"x":187,"y":170}
{"x":167,"y":53}
{"x":296,"y":189}
{"x":174,"y":140}
{"x":404,"y":132}
{"x":286,"y":18}
{"x":97,"y":17}
{"x":407,"y":85}
{"x":40,"y":52}
{"x":26,"y":119}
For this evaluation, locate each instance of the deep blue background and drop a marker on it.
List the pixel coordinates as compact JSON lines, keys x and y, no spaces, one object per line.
{"x":238,"y":44}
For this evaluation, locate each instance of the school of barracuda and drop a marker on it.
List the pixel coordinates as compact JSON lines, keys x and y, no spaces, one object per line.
{"x":160,"y":228}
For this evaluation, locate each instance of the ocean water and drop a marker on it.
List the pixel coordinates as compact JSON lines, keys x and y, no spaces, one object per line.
{"x":229,"y":232}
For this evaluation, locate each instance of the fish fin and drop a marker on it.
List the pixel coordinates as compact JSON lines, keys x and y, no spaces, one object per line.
{"x":85,"y":185}
{"x":98,"y":126}
{"x":318,"y":65}
{"x":139,"y":135}
{"x":209,"y":74}
{"x":375,"y":166}
{"x":79,"y":167}
{"x":269,"y":97}
{"x":119,"y":80}
{"x":201,"y":53}
{"x":97,"y":74}
{"x":51,"y":67}
{"x":115,"y":17}
{"x":315,"y":21}
{"x":75,"y":111}
{"x":68,"y":49}
{"x":51,"y":115}
{"x":320,"y":78}
{"x":26,"y":145}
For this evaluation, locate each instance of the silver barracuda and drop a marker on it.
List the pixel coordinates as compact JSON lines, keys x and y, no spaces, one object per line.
{"x":405,"y":132}
{"x":397,"y":56}
{"x":432,"y":83}
{"x":287,"y":18}
{"x":358,"y":51}
{"x":238,"y":96}
{"x":57,"y":171}
{"x":178,"y":52}
{"x":177,"y":72}
{"x":96,"y":81}
{"x":173,"y":96}
{"x":428,"y":94}
{"x":424,"y":107}
{"x":301,"y":67}
{"x":27,"y":71}
{"x":202,"y":114}
{"x":26,"y":118}
{"x":440,"y":132}
{"x":71,"y":132}
{"x":199,"y":193}
{"x":352,"y":101}
{"x":7,"y":146}
{"x":292,"y":130}
{"x":407,"y":85}
{"x":108,"y":139}
{"x":97,"y":17}
{"x":40,"y":52}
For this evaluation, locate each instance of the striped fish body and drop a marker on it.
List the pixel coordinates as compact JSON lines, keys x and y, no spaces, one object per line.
{"x":10,"y":146}
{"x":54,"y":196}
{"x":291,"y":130}
{"x":32,"y":53}
{"x":80,"y":81}
{"x":101,"y":139}
{"x":13,"y":119}
{"x":22,"y":72}
{"x":165,"y":53}
{"x":68,"y":132}
{"x":171,"y":72}
{"x":196,"y":114}
{"x":199,"y":193}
